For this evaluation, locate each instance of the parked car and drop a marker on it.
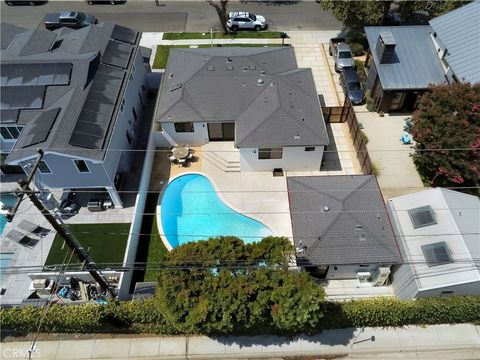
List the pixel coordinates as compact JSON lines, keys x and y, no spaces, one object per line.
{"x":244,"y":20}
{"x":24,"y":2}
{"x":71,"y":19}
{"x":352,"y":87}
{"x":342,"y":54}
{"x":111,"y":2}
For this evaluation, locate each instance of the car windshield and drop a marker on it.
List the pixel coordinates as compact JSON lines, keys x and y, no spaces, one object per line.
{"x":252,"y":16}
{"x":354,"y":86}
{"x":344,"y":54}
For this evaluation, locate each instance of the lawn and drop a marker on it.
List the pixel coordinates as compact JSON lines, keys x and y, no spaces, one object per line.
{"x":161,"y":56}
{"x":107,"y":243}
{"x":156,"y":253}
{"x":218,"y":35}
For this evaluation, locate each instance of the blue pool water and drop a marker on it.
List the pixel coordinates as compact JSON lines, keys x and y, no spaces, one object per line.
{"x":191,"y":210}
{"x":7,"y":200}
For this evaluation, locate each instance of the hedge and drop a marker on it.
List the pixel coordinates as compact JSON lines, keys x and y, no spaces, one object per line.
{"x":144,"y":316}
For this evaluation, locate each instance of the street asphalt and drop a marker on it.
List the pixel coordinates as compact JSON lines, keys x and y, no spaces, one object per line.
{"x":146,"y":16}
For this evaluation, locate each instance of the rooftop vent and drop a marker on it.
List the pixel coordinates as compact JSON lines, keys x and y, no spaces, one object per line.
{"x":245,"y":68}
{"x":229,"y":68}
{"x":297,"y":136}
{"x":229,"y":58}
{"x":176,"y":87}
{"x":260,"y":81}
{"x":170,"y":75}
{"x":211,"y":68}
{"x":252,"y":67}
{"x":326,"y":208}
{"x":385,"y":48}
{"x":262,"y":72}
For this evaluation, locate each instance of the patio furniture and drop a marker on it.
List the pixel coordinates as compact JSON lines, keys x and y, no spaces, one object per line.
{"x":182,"y":162}
{"x":33,"y":228}
{"x":172,"y":158}
{"x":21,"y":238}
{"x":180,"y":152}
{"x":406,"y":139}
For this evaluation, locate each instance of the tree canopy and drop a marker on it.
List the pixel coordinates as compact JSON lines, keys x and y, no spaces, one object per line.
{"x":225,"y":286}
{"x":356,"y":14}
{"x":448,"y":122}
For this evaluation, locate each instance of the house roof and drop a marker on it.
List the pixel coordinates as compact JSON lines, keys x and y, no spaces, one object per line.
{"x":341,"y":220}
{"x":272,"y":102}
{"x":459,"y":32}
{"x":455,"y":226}
{"x":66,"y":77}
{"x":415,"y":64}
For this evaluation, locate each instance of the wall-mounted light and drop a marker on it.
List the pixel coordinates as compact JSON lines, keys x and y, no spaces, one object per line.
{"x":254,"y":151}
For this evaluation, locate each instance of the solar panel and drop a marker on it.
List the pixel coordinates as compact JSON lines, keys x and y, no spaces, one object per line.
{"x":96,"y":115}
{"x":124,"y":34}
{"x":37,"y":131}
{"x":35,"y":74}
{"x":422,"y":216}
{"x":117,"y":54}
{"x":436,"y":254}
{"x":22,"y":97}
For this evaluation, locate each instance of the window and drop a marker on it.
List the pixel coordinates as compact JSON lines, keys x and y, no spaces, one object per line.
{"x":81,"y":166}
{"x":134,"y":114}
{"x":11,"y":132}
{"x":43,"y":167}
{"x":270,"y":153}
{"x":184,"y":127}
{"x":310,"y":148}
{"x":436,"y":254}
{"x":422,"y":216}
{"x":129,"y":138}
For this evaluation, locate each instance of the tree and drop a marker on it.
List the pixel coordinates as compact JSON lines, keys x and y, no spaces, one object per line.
{"x":221,"y":9}
{"x":356,"y":14}
{"x":224,"y":286}
{"x":448,"y":122}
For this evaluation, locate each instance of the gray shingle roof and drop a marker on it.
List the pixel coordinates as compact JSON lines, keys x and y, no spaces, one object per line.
{"x":272,"y":102}
{"x":416,"y":63}
{"x":459,"y":31}
{"x":8,"y":32}
{"x":341,"y":220}
{"x":76,"y":49}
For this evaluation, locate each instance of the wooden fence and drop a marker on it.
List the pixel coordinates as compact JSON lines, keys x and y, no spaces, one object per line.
{"x":345,"y":113}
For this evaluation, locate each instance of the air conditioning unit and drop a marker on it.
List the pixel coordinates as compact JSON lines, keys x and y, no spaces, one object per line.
{"x":380,"y":276}
{"x":363,"y":276}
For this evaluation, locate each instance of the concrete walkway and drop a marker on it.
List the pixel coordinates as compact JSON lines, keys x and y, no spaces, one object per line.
{"x":457,"y":341}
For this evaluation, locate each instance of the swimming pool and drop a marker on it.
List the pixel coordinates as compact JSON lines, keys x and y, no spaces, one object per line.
{"x":9,"y":201}
{"x":191,"y":210}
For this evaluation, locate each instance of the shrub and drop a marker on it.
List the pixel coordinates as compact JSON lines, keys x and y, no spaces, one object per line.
{"x":357,"y":49}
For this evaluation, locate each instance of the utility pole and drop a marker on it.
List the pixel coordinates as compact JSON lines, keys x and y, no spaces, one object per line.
{"x":67,"y":236}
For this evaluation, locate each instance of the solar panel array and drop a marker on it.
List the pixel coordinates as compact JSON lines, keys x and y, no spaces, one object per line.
{"x":22,"y":97}
{"x":96,"y":115}
{"x":35,"y":74}
{"x":124,"y":34}
{"x":117,"y":54}
{"x":38,"y":130}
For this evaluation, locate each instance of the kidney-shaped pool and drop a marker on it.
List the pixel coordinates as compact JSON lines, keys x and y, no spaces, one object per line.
{"x":191,"y":210}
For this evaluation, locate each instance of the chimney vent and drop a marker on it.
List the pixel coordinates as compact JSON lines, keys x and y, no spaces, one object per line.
{"x":385,"y":47}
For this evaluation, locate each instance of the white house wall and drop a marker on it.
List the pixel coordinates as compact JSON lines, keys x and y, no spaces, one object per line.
{"x":120,"y":161}
{"x":342,"y":272}
{"x":472,"y":288}
{"x":404,"y":284}
{"x":293,"y":159}
{"x":198,"y":137}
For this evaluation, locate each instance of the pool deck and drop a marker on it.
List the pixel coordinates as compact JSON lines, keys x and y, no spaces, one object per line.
{"x":258,"y":195}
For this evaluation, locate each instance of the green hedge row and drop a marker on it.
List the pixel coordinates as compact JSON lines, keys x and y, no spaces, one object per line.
{"x":145,"y":317}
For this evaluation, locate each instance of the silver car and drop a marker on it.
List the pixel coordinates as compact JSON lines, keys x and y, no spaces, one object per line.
{"x":244,"y":20}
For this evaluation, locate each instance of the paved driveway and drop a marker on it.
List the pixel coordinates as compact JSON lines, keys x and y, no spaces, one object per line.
{"x":398,"y":175}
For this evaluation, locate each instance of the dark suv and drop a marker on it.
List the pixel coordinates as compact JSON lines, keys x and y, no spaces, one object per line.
{"x":352,"y":87}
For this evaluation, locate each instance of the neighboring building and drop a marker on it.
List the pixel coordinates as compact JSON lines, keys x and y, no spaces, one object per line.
{"x":341,"y":227}
{"x":76,"y":94}
{"x":438,"y":232}
{"x":256,"y":97}
{"x":404,"y":60}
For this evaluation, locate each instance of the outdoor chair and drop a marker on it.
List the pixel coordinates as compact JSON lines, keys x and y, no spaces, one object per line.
{"x":182,"y":162}
{"x":32,"y":228}
{"x":172,"y":158}
{"x":21,"y":238}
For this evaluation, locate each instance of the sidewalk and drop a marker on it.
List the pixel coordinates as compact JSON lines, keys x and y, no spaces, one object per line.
{"x":457,"y":341}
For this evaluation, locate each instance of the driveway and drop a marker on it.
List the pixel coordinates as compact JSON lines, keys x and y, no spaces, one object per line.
{"x":398,"y":175}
